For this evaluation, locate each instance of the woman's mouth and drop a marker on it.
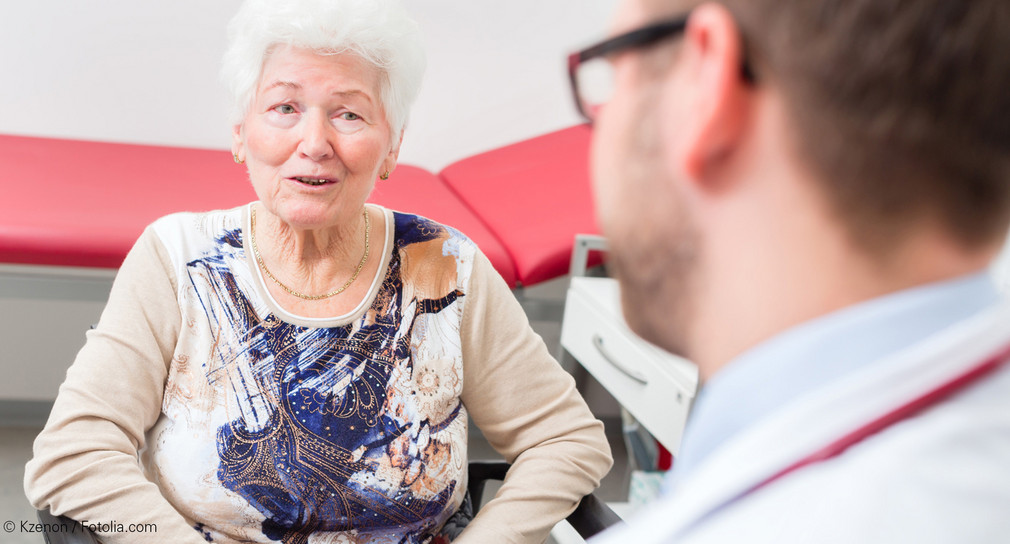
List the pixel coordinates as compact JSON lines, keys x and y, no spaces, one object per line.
{"x":312,"y":181}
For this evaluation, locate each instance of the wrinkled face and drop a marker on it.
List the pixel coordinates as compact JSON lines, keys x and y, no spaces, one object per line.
{"x":653,"y":242}
{"x":315,"y":137}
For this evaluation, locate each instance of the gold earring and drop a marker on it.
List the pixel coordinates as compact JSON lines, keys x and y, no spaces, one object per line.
{"x":237,"y":160}
{"x":384,"y":176}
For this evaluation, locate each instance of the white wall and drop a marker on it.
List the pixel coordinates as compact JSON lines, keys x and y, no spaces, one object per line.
{"x":147,"y":71}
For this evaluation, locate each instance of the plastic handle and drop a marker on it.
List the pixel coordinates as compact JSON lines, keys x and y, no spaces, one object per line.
{"x":629,"y":372}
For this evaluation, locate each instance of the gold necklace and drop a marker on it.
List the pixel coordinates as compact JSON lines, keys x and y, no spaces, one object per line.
{"x":259,"y":261}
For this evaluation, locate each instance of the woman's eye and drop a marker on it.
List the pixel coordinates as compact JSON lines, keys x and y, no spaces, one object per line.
{"x":349,"y":116}
{"x":284,"y":108}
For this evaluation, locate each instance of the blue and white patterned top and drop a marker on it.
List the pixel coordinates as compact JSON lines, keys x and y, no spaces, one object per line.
{"x":284,"y":429}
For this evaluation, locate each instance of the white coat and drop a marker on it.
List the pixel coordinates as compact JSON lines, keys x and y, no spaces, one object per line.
{"x":942,"y":476}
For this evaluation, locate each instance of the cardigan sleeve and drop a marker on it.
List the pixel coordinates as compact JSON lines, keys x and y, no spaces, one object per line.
{"x":530,"y":411}
{"x":86,"y":462}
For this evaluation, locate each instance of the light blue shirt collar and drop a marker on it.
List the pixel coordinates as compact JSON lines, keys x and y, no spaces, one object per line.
{"x":818,"y":352}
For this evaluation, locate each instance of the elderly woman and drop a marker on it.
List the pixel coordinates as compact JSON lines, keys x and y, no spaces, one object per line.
{"x":301,"y":369}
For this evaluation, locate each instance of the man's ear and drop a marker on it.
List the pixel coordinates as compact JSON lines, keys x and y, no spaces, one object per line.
{"x":238,"y":143}
{"x":716,"y":114}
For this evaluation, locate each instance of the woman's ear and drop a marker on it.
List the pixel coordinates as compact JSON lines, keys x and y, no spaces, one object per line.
{"x":238,"y":143}
{"x":389,"y":163}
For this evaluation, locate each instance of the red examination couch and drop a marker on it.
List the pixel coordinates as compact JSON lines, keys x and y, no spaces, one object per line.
{"x":74,"y":203}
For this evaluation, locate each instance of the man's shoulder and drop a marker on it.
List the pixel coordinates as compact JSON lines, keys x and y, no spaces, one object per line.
{"x":940,"y":476}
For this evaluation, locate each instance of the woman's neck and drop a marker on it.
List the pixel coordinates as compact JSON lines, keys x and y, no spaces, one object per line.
{"x":309,"y":261}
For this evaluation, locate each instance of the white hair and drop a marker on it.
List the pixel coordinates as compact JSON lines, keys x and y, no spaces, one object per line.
{"x":378,"y":31}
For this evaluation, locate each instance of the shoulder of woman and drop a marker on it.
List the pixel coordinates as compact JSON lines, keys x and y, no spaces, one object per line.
{"x":191,"y":235}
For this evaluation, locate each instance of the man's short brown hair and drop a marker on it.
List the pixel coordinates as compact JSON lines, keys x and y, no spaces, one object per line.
{"x":902,"y":107}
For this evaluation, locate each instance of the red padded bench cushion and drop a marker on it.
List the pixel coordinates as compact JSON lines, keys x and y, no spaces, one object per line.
{"x":414,"y":190}
{"x":534,"y":196}
{"x":77,"y":203}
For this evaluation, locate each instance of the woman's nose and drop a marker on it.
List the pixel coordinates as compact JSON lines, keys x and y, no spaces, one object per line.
{"x":317,"y":137}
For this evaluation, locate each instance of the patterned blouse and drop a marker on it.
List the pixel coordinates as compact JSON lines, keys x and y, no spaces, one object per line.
{"x":251,"y":424}
{"x":278,"y":428}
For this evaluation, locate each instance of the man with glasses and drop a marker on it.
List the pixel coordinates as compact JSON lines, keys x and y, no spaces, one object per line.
{"x":803,"y":198}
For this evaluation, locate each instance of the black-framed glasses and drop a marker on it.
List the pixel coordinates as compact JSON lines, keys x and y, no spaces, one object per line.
{"x":592,"y":74}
